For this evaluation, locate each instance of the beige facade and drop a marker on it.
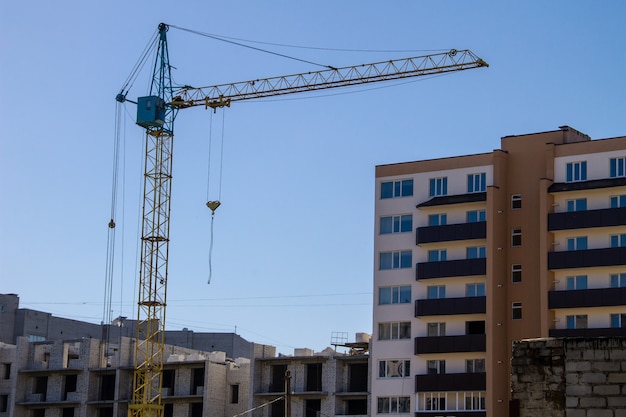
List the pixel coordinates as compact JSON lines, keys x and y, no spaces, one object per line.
{"x":474,"y":252}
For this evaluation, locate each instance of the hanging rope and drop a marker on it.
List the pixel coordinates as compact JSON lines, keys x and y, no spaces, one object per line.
{"x":214,"y":204}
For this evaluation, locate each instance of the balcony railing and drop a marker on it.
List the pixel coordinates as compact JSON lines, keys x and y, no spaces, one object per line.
{"x":451,"y":232}
{"x":450,"y":306}
{"x":451,"y":382}
{"x":587,"y":258}
{"x":585,"y":219}
{"x":450,"y":344}
{"x":589,"y":333}
{"x":596,"y":297}
{"x":455,"y":268}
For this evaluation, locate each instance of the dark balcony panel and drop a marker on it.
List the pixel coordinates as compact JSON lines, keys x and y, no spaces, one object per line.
{"x":589,"y":333}
{"x":450,"y":306}
{"x":587,"y":185}
{"x":445,"y":200}
{"x":456,"y":268}
{"x":586,"y":258}
{"x":597,"y":297}
{"x":451,"y":413}
{"x":585,"y":219}
{"x":451,"y":382}
{"x":451,"y":232}
{"x":450,"y":344}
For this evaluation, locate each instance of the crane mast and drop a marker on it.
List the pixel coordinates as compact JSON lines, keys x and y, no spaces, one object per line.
{"x":156,"y":113}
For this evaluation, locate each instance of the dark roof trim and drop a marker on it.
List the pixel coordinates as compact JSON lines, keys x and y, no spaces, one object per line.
{"x":454,"y":199}
{"x":587,"y":185}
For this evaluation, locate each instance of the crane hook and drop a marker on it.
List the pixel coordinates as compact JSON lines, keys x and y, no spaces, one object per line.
{"x":213,"y":205}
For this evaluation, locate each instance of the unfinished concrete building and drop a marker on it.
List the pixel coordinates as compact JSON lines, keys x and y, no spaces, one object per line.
{"x":75,"y":378}
{"x":320,"y":384}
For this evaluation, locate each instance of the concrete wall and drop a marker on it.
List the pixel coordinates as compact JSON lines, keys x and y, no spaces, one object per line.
{"x":569,"y":378}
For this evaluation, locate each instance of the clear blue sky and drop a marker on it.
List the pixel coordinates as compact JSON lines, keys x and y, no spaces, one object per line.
{"x":293,"y":240}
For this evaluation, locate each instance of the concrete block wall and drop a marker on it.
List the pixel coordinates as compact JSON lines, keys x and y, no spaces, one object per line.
{"x":569,"y":378}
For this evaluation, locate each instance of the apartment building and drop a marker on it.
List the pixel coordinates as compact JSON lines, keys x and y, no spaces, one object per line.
{"x":474,"y":252}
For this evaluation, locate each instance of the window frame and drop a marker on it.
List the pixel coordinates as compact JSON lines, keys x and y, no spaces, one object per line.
{"x":396,"y":330}
{"x":617,"y":167}
{"x":516,"y":237}
{"x":577,"y":321}
{"x":516,"y":310}
{"x":398,"y":188}
{"x":386,"y":366}
{"x":576,"y":282}
{"x":481,"y":216}
{"x":438,"y":219}
{"x":477,"y":183}
{"x":398,"y":260}
{"x":516,"y":201}
{"x":397,"y":294}
{"x":437,"y":186}
{"x":516,"y":270}
{"x":442,"y":255}
{"x":576,"y":171}
{"x":435,"y":292}
{"x":397,"y":224}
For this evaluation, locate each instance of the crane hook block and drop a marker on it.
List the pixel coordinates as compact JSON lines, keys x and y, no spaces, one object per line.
{"x":213,"y":205}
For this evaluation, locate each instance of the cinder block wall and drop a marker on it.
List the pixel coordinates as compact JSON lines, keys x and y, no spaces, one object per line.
{"x":569,"y":378}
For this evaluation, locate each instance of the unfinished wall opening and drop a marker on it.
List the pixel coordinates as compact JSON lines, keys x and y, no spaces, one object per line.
{"x":40,"y":387}
{"x":168,"y":381}
{"x":195,"y":410}
{"x":4,"y":403}
{"x":107,"y":387}
{"x":314,"y":377}
{"x":197,"y":381}
{"x":278,"y":409}
{"x":356,"y":407}
{"x":39,"y":412}
{"x":357,"y":374}
{"x":277,"y":383}
{"x":69,"y":385}
{"x":105,"y":412}
{"x":312,"y":408}
{"x":168,"y":410}
{"x":67,"y":412}
{"x":234,"y":394}
{"x":6,"y":371}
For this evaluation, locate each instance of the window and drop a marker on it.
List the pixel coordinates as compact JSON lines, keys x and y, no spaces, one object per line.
{"x":396,"y":224}
{"x":516,"y":273}
{"x":394,"y":295}
{"x":476,"y":216}
{"x":394,"y":330}
{"x":437,"y":219}
{"x":618,"y":280}
{"x":475,"y":327}
{"x":438,"y":186}
{"x":436,"y":329}
{"x":476,"y":183}
{"x":67,"y":412}
{"x":576,"y":171}
{"x":474,"y":365}
{"x":436,"y":367}
{"x":475,"y":290}
{"x":578,"y":282}
{"x":393,"y":405}
{"x":580,"y":204}
{"x":516,"y":311}
{"x":618,"y":241}
{"x":397,"y":368}
{"x":396,"y":259}
{"x":617,"y":167}
{"x":516,"y":237}
{"x":618,"y":201}
{"x":618,"y":320}
{"x":4,"y":403}
{"x":475,"y":401}
{"x":6,"y":370}
{"x":516,"y":201}
{"x":437,"y":255}
{"x":475,"y":252}
{"x":436,"y":291}
{"x":577,"y":243}
{"x":436,"y":402}
{"x":394,"y":189}
{"x":578,"y":321}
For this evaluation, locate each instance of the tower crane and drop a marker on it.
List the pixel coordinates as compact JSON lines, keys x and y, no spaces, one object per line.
{"x":156,"y":113}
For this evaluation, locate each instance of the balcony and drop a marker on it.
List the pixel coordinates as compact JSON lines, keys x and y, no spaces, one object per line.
{"x":559,"y":187}
{"x":587,"y":258}
{"x":450,"y":344}
{"x":451,"y":382}
{"x":597,"y":297}
{"x":585,"y":219}
{"x":456,"y":268}
{"x":589,"y":333}
{"x":450,"y":414}
{"x":450,"y":232}
{"x":450,"y":306}
{"x":445,"y":200}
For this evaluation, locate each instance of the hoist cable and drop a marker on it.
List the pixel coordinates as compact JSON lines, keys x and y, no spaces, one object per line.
{"x":208,"y":35}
